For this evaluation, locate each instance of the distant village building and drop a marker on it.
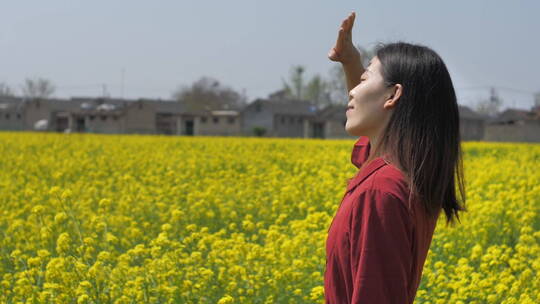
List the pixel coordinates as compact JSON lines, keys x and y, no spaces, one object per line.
{"x":280,"y":118}
{"x":471,"y":124}
{"x":331,"y":122}
{"x":169,"y":119}
{"x":11,"y":114}
{"x":272,"y":117}
{"x":103,"y":115}
{"x":514,"y":125}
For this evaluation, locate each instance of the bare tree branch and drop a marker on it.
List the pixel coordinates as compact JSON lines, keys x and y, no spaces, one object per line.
{"x":37,"y":88}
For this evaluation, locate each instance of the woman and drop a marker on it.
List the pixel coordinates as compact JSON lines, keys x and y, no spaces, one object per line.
{"x":403,"y":109}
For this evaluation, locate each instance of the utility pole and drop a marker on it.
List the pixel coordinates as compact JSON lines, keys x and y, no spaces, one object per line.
{"x":122,"y":86}
{"x":495,"y":102}
{"x":492,"y":95}
{"x":104,"y":91}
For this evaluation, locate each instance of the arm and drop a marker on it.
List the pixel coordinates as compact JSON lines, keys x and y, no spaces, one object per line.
{"x":353,"y":72}
{"x":345,"y":52}
{"x":381,"y":249}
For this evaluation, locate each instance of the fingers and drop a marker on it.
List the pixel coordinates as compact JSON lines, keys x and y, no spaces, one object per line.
{"x":352,"y":17}
{"x":333,"y":55}
{"x":344,"y":23}
{"x":349,"y":22}
{"x":340,"y":39}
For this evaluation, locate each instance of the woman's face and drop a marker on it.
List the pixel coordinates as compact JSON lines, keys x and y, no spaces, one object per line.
{"x":367,"y":113}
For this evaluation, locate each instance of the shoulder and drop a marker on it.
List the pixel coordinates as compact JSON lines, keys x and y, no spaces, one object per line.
{"x":389,"y":184}
{"x":391,"y":180}
{"x":378,"y":208}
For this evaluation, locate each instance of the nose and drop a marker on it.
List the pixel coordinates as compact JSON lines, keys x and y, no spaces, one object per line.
{"x":350,"y":94}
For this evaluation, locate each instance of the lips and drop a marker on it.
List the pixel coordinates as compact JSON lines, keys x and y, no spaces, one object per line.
{"x":349,"y":108}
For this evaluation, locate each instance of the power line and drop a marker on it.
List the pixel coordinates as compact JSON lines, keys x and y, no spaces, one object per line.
{"x":486,"y":87}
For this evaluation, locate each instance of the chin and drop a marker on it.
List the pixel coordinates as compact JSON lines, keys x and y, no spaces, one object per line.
{"x":353,"y":131}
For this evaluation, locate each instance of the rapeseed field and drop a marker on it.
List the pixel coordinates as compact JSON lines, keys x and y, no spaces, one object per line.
{"x":90,"y":218}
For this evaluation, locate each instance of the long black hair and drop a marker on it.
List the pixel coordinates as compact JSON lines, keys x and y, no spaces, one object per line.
{"x":423,"y":134}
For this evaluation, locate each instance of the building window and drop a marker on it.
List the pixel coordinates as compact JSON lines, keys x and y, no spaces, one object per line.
{"x":18,"y":116}
{"x":344,"y":122}
{"x":103,"y":117}
{"x":282,"y":120}
{"x":299,"y":120}
{"x":92,"y":117}
{"x":7,"y":116}
{"x":258,"y":107}
{"x":291,"y":120}
{"x":216,"y":119}
{"x":203,"y":119}
{"x":115,"y":117}
{"x":231,"y":120}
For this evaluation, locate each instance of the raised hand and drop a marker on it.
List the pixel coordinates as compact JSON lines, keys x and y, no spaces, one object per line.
{"x":344,"y":51}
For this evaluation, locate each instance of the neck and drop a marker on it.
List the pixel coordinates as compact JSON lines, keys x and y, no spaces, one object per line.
{"x":373,"y":142}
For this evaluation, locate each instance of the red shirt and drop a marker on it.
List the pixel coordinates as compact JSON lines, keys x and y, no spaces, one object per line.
{"x":378,"y":240}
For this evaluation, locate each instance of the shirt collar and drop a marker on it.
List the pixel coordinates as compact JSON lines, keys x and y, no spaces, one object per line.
{"x":360,"y":151}
{"x":359,"y":155}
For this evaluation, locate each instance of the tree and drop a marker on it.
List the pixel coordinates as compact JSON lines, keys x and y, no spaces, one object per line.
{"x":208,"y":93}
{"x":319,"y":90}
{"x":5,"y":90}
{"x":294,"y":89}
{"x":316,"y":90}
{"x":337,"y":84}
{"x":490,"y":106}
{"x":37,"y":88}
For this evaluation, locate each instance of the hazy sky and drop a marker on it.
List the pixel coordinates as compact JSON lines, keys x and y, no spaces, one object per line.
{"x":251,"y":45}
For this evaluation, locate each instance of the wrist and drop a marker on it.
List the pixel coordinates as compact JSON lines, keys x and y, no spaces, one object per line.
{"x":353,"y":60}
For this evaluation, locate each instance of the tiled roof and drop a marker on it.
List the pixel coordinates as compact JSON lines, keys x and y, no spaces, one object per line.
{"x":516,"y":115}
{"x":286,"y":106}
{"x":174,"y":107}
{"x":333,"y":111}
{"x":468,"y":113}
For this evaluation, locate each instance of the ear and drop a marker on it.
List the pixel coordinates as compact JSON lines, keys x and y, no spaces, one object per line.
{"x":395,"y":94}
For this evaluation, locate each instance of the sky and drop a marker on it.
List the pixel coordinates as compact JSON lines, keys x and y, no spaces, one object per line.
{"x":147,"y":49}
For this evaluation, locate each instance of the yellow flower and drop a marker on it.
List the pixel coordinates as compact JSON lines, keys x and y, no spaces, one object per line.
{"x":66,"y":194}
{"x":38,"y":209}
{"x":55,"y":191}
{"x":60,"y":217}
{"x":104,"y":256}
{"x":63,"y":243}
{"x":83,"y":299}
{"x":34,"y":262}
{"x":104,"y":203}
{"x":188,"y":227}
{"x":226,"y":300}
{"x":317,"y":293}
{"x":43,"y":253}
{"x":248,"y":225}
{"x":166,"y":227}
